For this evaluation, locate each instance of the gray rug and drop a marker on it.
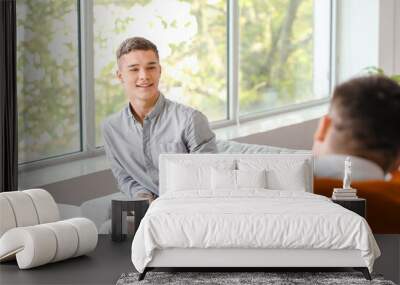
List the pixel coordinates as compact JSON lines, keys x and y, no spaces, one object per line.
{"x":270,"y":278}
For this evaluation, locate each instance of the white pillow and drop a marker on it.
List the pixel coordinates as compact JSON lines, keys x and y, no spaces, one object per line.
{"x":227,"y":179}
{"x":251,"y":178}
{"x":293,"y":180}
{"x":282,"y":174}
{"x":189,"y":175}
{"x":223,"y":179}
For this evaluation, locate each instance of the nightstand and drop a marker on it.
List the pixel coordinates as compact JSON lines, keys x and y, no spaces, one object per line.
{"x":119,"y":208}
{"x":357,"y":205}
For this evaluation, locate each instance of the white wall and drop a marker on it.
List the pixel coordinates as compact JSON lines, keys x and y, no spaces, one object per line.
{"x":368,"y":34}
{"x":357,"y":41}
{"x":389,"y":36}
{"x":396,"y":31}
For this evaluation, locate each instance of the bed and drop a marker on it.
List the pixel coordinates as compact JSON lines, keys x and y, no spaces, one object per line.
{"x":247,"y":210}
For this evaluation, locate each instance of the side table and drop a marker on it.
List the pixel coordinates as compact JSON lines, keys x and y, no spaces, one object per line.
{"x":118,"y":207}
{"x":357,"y":205}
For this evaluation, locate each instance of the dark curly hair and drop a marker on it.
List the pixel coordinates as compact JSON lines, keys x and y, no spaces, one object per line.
{"x":368,"y":112}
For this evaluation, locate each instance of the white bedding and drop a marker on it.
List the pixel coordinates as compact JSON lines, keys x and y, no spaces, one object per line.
{"x":252,"y":218}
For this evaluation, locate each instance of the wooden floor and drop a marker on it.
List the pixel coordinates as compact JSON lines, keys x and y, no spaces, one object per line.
{"x":102,"y":266}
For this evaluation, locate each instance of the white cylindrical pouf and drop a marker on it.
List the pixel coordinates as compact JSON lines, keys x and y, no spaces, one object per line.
{"x":33,"y":246}
{"x":45,"y":205}
{"x":67,"y":240}
{"x":7,"y":218}
{"x":87,"y":234}
{"x":23,"y":208}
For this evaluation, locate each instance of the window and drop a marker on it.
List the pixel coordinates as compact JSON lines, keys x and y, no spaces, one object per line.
{"x":47,"y":79}
{"x":229,"y":59}
{"x":276,"y":57}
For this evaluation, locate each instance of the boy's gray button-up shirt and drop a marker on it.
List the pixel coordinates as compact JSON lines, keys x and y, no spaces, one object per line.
{"x":133,"y":149}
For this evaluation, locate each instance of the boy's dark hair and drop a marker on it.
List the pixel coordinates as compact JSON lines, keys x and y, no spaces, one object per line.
{"x":368,"y":112}
{"x":136,"y":43}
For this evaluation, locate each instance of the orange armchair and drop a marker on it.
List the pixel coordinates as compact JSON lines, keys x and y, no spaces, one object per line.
{"x":383,"y":201}
{"x":395,"y":176}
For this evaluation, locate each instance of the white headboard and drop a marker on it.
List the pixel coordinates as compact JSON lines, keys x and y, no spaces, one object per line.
{"x":166,"y":160}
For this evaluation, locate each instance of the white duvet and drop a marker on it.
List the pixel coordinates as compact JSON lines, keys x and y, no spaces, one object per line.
{"x":250,"y":219}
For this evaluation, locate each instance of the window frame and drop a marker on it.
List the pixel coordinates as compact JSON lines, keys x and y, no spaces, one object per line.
{"x":88,"y":147}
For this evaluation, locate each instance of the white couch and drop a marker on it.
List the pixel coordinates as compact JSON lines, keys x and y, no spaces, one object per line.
{"x":32,"y":233}
{"x":99,"y":209}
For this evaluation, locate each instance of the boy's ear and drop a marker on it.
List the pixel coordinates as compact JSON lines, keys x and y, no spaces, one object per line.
{"x":118,"y":74}
{"x":324,"y":124}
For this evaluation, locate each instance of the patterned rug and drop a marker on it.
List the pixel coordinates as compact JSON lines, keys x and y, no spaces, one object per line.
{"x":242,"y":278}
